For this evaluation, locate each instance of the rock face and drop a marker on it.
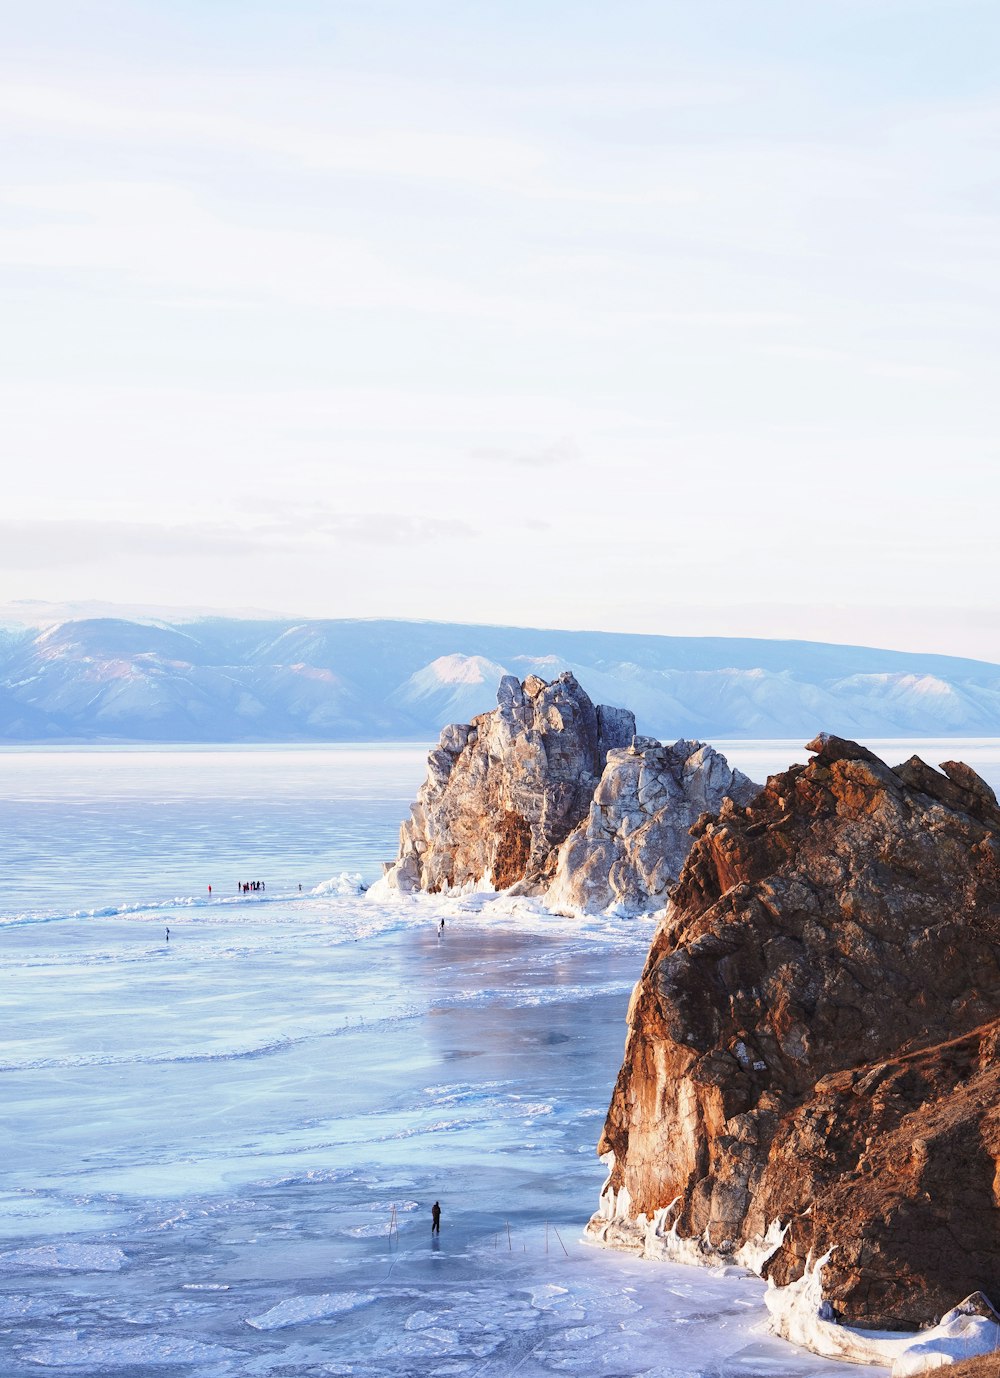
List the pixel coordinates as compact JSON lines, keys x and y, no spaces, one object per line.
{"x":503,"y":792}
{"x":556,"y":797}
{"x":813,"y":1057}
{"x":629,"y":850}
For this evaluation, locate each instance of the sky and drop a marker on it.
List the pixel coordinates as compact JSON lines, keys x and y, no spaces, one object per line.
{"x":674,"y":317}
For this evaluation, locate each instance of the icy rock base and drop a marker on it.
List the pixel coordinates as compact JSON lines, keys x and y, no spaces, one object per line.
{"x":798,"y":1313}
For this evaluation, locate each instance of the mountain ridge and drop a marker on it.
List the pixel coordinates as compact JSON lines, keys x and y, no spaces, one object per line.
{"x":287,"y":680}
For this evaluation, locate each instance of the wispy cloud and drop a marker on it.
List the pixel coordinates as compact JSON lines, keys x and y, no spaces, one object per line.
{"x":563,"y":451}
{"x":396,"y":150}
{"x":43,"y":544}
{"x":456,"y":264}
{"x":163,"y":237}
{"x":381,"y":528}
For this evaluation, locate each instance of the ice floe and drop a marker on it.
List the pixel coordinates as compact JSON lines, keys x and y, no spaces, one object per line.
{"x":100,"y":1355}
{"x":347,"y":883}
{"x":64,"y":1258}
{"x":302,"y":1310}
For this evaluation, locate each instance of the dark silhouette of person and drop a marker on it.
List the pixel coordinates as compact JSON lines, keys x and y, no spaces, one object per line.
{"x":168,"y":935}
{"x":436,"y":1218}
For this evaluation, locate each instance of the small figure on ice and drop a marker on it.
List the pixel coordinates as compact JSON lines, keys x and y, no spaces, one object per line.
{"x":440,"y":927}
{"x":168,"y":935}
{"x":436,"y":1218}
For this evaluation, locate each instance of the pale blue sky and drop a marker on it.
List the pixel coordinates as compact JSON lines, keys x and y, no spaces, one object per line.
{"x":668,"y":317}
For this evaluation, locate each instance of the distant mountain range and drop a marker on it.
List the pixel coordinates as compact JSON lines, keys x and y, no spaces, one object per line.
{"x":238,"y":680}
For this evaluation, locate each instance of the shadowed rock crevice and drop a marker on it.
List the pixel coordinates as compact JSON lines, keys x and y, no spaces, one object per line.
{"x":511,"y":850}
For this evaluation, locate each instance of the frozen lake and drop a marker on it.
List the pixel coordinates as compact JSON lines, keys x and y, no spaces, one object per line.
{"x":221,"y":1152}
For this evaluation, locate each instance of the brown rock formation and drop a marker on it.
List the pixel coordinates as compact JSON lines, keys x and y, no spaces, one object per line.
{"x":555,"y":796}
{"x":814,"y":1041}
{"x":504,"y":791}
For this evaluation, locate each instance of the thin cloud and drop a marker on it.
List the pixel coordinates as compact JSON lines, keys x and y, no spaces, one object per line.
{"x":386,"y":528}
{"x":288,"y":521}
{"x":564,"y":451}
{"x":41,"y":544}
{"x":396,"y":151}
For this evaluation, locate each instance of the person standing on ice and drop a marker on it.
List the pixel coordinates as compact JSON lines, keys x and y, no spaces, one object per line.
{"x":436,"y":1218}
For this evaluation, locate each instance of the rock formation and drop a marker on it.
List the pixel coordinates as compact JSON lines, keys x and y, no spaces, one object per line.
{"x":812,"y":1065}
{"x":629,"y":850}
{"x":503,"y":791}
{"x":555,"y":796}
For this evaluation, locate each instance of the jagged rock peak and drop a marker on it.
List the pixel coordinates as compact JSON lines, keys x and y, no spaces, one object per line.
{"x":811,"y":1065}
{"x":555,"y":796}
{"x":503,"y":791}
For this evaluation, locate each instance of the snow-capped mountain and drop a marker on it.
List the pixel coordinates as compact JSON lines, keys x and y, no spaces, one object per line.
{"x":252,"y":680}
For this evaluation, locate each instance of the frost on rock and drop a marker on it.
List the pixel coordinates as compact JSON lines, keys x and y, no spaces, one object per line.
{"x":654,"y":1236}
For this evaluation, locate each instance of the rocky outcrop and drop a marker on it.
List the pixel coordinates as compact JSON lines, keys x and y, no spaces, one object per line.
{"x":503,"y":792}
{"x":630,"y":848}
{"x":812,"y":1069}
{"x":557,"y":797}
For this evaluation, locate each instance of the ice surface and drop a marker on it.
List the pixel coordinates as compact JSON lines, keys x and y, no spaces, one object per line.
{"x":220,"y":1154}
{"x":265,"y":1115}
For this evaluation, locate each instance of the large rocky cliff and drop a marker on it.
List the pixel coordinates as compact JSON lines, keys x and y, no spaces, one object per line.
{"x":551,"y":795}
{"x":812,"y":1068}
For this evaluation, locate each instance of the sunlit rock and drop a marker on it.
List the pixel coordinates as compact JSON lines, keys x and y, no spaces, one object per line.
{"x":811,"y":1070}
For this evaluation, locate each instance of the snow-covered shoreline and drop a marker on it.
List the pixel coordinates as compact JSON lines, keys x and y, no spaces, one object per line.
{"x":798,"y":1312}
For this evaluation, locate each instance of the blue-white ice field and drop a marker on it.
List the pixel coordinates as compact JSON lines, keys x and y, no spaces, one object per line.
{"x":222,"y":1147}
{"x":231,"y":680}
